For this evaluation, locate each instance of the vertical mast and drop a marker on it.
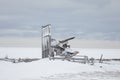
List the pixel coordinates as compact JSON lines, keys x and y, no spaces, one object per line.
{"x":46,"y":41}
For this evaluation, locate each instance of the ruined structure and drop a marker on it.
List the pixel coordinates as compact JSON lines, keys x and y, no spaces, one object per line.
{"x":52,"y":47}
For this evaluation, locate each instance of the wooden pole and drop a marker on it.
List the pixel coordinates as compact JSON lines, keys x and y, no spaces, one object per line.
{"x":101,"y":61}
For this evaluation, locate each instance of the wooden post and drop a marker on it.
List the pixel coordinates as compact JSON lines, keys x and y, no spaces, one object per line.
{"x":101,"y":61}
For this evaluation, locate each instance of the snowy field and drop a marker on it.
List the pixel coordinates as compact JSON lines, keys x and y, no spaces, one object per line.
{"x":45,"y":69}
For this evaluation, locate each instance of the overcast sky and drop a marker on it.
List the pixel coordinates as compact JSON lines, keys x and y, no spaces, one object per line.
{"x":84,"y":19}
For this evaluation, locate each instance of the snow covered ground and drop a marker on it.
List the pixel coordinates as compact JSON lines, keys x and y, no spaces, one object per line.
{"x":45,"y":69}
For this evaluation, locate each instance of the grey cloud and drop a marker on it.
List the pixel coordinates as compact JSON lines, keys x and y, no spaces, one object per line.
{"x":87,"y":17}
{"x":19,"y":32}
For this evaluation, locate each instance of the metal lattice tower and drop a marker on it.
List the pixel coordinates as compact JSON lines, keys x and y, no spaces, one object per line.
{"x":46,"y":41}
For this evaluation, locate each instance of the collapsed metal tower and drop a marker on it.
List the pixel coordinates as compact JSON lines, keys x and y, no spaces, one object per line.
{"x":48,"y":48}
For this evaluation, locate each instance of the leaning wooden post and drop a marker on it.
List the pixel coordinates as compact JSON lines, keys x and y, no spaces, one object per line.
{"x":101,"y":60}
